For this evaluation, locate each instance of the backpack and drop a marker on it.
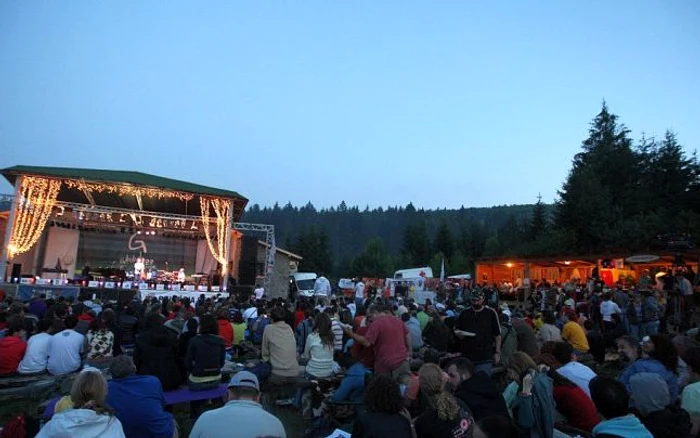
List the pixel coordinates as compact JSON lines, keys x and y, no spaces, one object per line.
{"x":259,"y":328}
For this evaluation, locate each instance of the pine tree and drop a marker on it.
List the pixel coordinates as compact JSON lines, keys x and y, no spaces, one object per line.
{"x":443,"y":242}
{"x":540,"y":220}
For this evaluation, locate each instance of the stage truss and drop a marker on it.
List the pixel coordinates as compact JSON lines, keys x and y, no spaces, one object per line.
{"x":138,"y":215}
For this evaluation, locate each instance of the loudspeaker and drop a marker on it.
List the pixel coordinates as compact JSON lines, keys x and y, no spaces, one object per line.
{"x":16,"y":270}
{"x":248,"y":262}
{"x":246,"y":274}
{"x":249,"y":249}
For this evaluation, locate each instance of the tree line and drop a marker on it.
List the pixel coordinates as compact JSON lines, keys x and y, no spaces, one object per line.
{"x":619,"y":196}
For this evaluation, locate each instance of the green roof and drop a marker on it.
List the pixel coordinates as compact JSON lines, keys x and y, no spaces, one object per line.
{"x":120,"y":177}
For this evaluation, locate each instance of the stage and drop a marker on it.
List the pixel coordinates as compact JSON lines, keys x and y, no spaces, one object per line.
{"x":98,"y":229}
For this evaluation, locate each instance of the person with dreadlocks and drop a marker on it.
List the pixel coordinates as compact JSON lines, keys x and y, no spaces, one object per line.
{"x":445,"y":416}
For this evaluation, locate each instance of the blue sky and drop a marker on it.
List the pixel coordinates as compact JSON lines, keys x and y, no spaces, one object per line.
{"x":443,"y":103}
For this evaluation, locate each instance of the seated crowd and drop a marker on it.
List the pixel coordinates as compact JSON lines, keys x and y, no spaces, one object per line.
{"x":442,"y":369}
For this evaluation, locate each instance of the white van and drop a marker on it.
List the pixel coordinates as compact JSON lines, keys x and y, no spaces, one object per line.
{"x":425,"y":272}
{"x":301,"y":284}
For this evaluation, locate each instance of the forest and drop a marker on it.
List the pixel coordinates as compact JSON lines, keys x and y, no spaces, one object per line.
{"x":620,"y":195}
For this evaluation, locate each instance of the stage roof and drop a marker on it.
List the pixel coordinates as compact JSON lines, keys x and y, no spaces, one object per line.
{"x":129,"y":178}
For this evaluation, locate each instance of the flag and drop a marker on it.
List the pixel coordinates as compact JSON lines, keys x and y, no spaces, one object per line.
{"x":442,"y":271}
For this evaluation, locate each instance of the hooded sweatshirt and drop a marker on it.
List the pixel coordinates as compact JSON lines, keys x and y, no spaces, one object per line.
{"x":352,"y":387}
{"x":12,"y":350}
{"x":628,"y":426}
{"x":652,"y":399}
{"x":482,"y":397}
{"x":82,"y":423}
{"x":205,"y":356}
{"x":648,"y":365}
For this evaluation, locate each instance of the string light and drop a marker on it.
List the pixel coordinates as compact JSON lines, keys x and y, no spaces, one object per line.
{"x":127,"y":190}
{"x":37,"y":197}
{"x":223,"y":212}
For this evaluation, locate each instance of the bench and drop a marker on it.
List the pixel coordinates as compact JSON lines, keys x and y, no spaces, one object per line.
{"x":172,"y":397}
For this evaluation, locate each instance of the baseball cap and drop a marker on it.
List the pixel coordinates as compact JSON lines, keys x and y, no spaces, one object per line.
{"x":244,"y":379}
{"x":477,"y":294}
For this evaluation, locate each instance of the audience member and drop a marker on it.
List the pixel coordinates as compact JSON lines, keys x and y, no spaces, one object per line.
{"x":445,"y":416}
{"x":156,"y":353}
{"x":652,"y":400}
{"x":242,"y":415}
{"x":479,"y":334}
{"x":476,"y":390}
{"x":384,"y":414}
{"x":37,"y":355}
{"x":549,"y":332}
{"x":12,"y":346}
{"x":90,"y":416}
{"x":660,"y":358}
{"x":612,"y":401}
{"x":225,"y":327}
{"x":138,"y":401}
{"x":390,"y":341}
{"x":65,"y":349}
{"x":206,"y":354}
{"x":574,"y":334}
{"x":279,"y":348}
{"x":413,"y":326}
{"x":319,"y":348}
{"x":574,"y":371}
{"x":533,"y":406}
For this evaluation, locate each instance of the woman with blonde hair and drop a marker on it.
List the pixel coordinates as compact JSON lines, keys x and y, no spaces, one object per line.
{"x":446,"y":416}
{"x":90,"y":416}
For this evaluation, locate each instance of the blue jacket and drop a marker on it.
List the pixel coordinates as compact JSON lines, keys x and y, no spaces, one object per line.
{"x":352,"y":387}
{"x":536,"y":412}
{"x":628,"y":426}
{"x":138,"y":403}
{"x":648,"y":365}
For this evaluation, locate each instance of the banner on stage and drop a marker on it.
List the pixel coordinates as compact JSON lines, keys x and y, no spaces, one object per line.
{"x":26,"y":292}
{"x":169,"y":293}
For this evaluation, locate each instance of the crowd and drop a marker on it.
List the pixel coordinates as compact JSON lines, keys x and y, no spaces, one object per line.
{"x":593,"y":362}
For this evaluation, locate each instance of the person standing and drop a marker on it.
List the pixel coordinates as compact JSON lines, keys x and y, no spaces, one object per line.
{"x":479,"y":334}
{"x":390,"y":341}
{"x":608,"y":308}
{"x":359,"y":293}
{"x":322,"y":287}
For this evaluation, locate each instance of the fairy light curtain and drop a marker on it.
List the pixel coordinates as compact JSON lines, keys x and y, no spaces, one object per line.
{"x":37,"y":197}
{"x":222,"y":210}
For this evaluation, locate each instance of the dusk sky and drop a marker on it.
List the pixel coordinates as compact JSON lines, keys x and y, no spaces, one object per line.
{"x":441,"y":103}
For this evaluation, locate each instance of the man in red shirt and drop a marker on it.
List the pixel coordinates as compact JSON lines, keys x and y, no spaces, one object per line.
{"x":390,"y":340}
{"x":13,"y":346}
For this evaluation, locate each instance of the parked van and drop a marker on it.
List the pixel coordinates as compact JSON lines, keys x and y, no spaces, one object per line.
{"x":425,"y":272}
{"x":301,"y":284}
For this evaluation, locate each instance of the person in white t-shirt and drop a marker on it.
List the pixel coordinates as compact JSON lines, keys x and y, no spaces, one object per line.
{"x":607,"y":309}
{"x":250,"y":313}
{"x":577,"y":372}
{"x":37,"y":354}
{"x":359,"y":293}
{"x":259,"y":292}
{"x":65,"y":349}
{"x":322,"y":287}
